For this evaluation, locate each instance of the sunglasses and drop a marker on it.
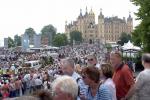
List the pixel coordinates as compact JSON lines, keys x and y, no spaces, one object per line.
{"x":90,"y":59}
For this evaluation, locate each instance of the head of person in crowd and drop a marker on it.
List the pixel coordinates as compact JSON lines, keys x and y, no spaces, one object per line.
{"x":146,"y":60}
{"x":43,"y":95}
{"x":91,"y":76}
{"x":106,"y":71}
{"x":116,"y":59}
{"x":78,"y":68}
{"x":68,"y":66}
{"x":64,"y":88}
{"x":91,"y":60}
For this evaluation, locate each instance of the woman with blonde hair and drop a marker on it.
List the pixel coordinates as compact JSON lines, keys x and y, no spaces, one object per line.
{"x":78,"y":68}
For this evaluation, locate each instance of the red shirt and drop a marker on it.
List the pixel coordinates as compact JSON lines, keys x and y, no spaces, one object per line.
{"x":123,"y":79}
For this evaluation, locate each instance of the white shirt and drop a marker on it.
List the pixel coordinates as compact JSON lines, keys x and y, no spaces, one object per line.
{"x":12,"y":68}
{"x":35,"y":76}
{"x":45,"y":84}
{"x":38,"y":82}
{"x":98,"y":66}
{"x":110,"y":84}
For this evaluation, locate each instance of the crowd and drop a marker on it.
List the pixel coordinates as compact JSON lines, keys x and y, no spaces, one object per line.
{"x":79,"y":73}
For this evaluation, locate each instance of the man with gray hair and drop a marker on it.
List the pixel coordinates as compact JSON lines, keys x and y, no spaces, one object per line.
{"x":64,"y":88}
{"x":68,"y":68}
{"x":141,"y":88}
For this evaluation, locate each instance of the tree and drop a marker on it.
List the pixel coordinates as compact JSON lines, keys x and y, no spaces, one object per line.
{"x":10,"y":42}
{"x":30,"y":32}
{"x":142,"y":31}
{"x":17,"y":40}
{"x":124,"y":38}
{"x":60,"y":40}
{"x":48,"y":31}
{"x":136,"y":37}
{"x":75,"y":36}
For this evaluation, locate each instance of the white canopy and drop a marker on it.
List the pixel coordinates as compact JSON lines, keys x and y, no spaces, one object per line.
{"x":130,"y":46}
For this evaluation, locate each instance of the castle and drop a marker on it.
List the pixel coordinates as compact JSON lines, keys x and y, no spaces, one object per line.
{"x":107,"y":29}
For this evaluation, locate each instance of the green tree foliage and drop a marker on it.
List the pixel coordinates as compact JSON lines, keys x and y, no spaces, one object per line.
{"x":136,"y":37}
{"x":46,"y":60}
{"x":60,"y":40}
{"x":108,"y":46}
{"x":124,"y":38}
{"x":141,"y":34}
{"x":30,"y":32}
{"x":75,"y":36}
{"x":17,"y":40}
{"x":48,"y":31}
{"x":10,"y":42}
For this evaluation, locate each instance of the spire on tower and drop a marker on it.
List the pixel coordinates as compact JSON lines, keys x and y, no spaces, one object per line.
{"x":129,"y":14}
{"x":66,"y":22}
{"x":91,"y":12}
{"x":100,"y":11}
{"x":129,"y":18}
{"x":101,"y":14}
{"x":80,"y":12}
{"x":86,"y":11}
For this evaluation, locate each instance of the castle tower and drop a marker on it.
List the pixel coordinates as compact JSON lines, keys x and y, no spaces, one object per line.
{"x":67,"y":30}
{"x":91,"y":17}
{"x":129,"y":23}
{"x":80,"y":22}
{"x":101,"y":25}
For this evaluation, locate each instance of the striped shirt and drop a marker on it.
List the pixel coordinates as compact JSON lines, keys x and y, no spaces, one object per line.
{"x":103,"y":93}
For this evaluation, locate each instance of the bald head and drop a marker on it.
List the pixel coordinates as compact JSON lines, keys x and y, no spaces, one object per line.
{"x":146,"y":57}
{"x":146,"y":60}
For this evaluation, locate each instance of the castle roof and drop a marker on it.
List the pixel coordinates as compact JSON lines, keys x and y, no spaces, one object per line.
{"x":111,"y":19}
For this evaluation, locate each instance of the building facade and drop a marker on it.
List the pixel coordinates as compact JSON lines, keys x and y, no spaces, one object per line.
{"x":107,"y":29}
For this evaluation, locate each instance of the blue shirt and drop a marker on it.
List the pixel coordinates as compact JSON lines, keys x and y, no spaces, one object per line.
{"x":82,"y":86}
{"x":103,"y":93}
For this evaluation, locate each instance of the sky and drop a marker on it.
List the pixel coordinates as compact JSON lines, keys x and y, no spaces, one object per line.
{"x":18,"y":15}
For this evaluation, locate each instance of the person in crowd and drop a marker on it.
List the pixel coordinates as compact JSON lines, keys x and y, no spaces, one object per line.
{"x":46,"y":81}
{"x":123,"y":76}
{"x":141,"y":88}
{"x":18,"y":86}
{"x":106,"y":75}
{"x":32,"y":84}
{"x":44,"y":95}
{"x":68,"y":68}
{"x":65,"y":88}
{"x":92,"y":61}
{"x":96,"y":90}
{"x":38,"y":83}
{"x":5,"y":92}
{"x":78,"y":68}
{"x":12,"y":88}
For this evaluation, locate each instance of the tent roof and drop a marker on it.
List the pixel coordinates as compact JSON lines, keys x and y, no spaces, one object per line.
{"x":130,"y":46}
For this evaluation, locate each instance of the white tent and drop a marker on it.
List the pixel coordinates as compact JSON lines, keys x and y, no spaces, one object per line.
{"x":130,"y":46}
{"x":130,"y":50}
